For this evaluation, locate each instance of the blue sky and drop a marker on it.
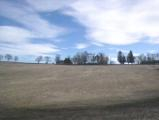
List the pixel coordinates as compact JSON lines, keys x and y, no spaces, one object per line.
{"x":29,"y":28}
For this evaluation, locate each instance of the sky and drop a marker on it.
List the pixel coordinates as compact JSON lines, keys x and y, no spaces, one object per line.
{"x":30,"y":28}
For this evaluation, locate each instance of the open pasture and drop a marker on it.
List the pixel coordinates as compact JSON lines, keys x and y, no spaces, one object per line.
{"x":61,"y":92}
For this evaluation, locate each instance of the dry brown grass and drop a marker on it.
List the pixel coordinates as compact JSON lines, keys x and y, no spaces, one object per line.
{"x":33,"y":86}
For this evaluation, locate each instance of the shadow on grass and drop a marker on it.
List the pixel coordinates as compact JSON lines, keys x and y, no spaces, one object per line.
{"x":139,"y":110}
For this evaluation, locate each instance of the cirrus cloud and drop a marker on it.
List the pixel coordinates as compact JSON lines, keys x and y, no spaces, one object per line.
{"x":17,"y":38}
{"x":117,"y":22}
{"x":17,"y":41}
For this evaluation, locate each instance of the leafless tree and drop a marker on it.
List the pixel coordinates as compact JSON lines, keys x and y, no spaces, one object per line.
{"x":80,"y":58}
{"x":1,"y":57}
{"x":39,"y":59}
{"x":47,"y":59}
{"x":16,"y":58}
{"x":57,"y":59}
{"x":8,"y":57}
{"x":93,"y":60}
{"x":101,"y":58}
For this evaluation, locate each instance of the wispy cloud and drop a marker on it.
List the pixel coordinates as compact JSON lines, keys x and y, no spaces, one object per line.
{"x":29,"y":18}
{"x":28,"y":49}
{"x":117,"y":22}
{"x":17,"y":40}
{"x":14,"y":35}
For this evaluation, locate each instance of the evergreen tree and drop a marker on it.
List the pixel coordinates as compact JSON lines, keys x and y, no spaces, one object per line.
{"x":121,"y":58}
{"x":130,"y":57}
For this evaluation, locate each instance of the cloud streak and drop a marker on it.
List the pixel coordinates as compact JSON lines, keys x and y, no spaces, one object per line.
{"x":17,"y":40}
{"x":117,"y":22}
{"x":28,"y":49}
{"x":30,"y":19}
{"x":14,"y":35}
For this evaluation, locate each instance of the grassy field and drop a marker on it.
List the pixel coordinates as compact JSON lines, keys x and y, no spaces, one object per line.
{"x":58,"y":92}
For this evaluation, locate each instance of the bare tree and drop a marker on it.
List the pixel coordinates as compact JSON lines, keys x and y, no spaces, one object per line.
{"x":47,"y":59}
{"x":101,"y":58}
{"x":151,"y":58}
{"x":1,"y":57}
{"x":80,"y":58}
{"x":141,"y":58}
{"x":93,"y":60}
{"x":16,"y":58}
{"x":84,"y":56}
{"x":74,"y":59}
{"x":8,"y":57}
{"x":89,"y":58}
{"x":57,"y":59}
{"x":39,"y":59}
{"x":106,"y":59}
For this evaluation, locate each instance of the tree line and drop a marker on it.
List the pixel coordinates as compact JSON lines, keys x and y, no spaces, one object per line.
{"x":8,"y":57}
{"x":122,"y":59}
{"x":80,"y":58}
{"x":150,"y":58}
{"x":86,"y":58}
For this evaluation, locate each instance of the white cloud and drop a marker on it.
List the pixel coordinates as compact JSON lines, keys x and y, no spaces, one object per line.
{"x":16,"y":41}
{"x":81,"y":46}
{"x":10,"y":34}
{"x":29,"y":18}
{"x":118,"y":22}
{"x":28,"y":49}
